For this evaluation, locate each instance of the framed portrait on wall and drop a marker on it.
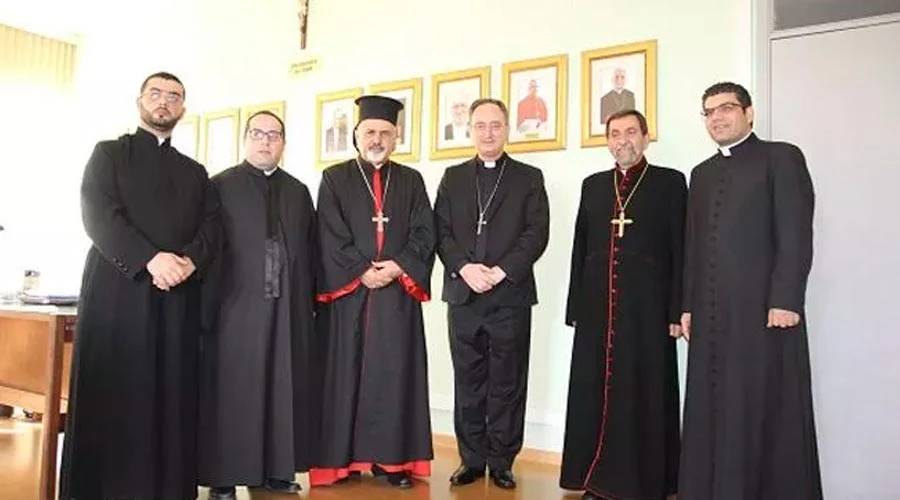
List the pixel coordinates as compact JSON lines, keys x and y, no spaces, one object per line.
{"x":275,"y":107}
{"x":221,"y":139}
{"x":451,"y":95}
{"x":409,"y":127}
{"x":614,"y":79}
{"x":186,"y":136}
{"x":336,"y":115}
{"x":535,"y":93}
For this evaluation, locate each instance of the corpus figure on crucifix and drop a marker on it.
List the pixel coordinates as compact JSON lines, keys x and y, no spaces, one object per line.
{"x":376,"y":230}
{"x":621,"y":438}
{"x":303,"y":19}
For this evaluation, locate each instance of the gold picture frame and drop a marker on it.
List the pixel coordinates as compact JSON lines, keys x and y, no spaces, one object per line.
{"x":537,"y":115}
{"x":186,"y":137}
{"x":334,"y":139}
{"x":276,"y":107}
{"x":221,"y":139}
{"x":451,"y":95}
{"x":409,"y":123}
{"x":601,"y":72}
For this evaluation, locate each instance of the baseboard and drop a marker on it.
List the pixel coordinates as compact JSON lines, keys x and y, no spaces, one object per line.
{"x":530,"y":455}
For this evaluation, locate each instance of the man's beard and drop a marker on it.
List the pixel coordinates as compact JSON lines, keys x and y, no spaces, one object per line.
{"x":376,"y":156}
{"x":627,"y":156}
{"x":164,"y":124}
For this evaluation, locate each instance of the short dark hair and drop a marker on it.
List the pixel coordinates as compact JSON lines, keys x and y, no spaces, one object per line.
{"x":165,"y":76}
{"x":743,"y":97}
{"x":489,"y":100}
{"x":642,"y":121}
{"x":267,"y":113}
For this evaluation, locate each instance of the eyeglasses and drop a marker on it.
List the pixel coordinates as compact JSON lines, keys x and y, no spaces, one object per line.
{"x":171,"y":97}
{"x":727,"y":107}
{"x":258,"y":135}
{"x":482,"y":127}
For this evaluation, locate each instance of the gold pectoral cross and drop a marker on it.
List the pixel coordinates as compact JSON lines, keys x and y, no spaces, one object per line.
{"x":380,"y":219}
{"x":621,"y":221}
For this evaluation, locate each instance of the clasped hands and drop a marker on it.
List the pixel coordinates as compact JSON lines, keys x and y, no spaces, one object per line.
{"x":381,"y":274}
{"x":481,"y":278}
{"x":170,"y":270}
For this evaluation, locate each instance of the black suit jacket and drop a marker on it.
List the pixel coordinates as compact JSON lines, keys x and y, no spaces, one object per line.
{"x":517,"y":231}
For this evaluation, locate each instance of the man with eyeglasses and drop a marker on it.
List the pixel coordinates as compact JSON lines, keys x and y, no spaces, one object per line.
{"x":376,"y":233}
{"x":153,"y":219}
{"x":257,"y":388}
{"x":749,"y":430}
{"x":493,"y":221}
{"x":622,"y":419}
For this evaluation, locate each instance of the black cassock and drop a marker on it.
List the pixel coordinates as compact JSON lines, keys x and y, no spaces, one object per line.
{"x":375,"y":382}
{"x":749,"y":430}
{"x":490,"y":333}
{"x":131,"y":424}
{"x":622,"y":422}
{"x":258,"y":401}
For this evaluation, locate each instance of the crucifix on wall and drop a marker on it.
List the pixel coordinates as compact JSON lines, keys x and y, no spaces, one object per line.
{"x":303,"y":17}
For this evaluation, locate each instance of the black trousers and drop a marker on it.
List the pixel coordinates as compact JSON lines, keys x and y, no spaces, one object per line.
{"x":490,"y":352}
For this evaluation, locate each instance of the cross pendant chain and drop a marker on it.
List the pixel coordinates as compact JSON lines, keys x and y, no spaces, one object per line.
{"x":483,"y":209}
{"x":380,"y":220}
{"x":621,"y":221}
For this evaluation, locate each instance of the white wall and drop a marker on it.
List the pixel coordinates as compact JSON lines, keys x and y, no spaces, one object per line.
{"x":232,"y":53}
{"x":850,"y":146}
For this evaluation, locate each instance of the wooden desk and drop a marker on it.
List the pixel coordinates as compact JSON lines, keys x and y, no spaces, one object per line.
{"x":35,"y":358}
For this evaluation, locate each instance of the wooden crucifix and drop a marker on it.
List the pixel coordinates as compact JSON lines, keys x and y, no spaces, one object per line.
{"x":303,"y":17}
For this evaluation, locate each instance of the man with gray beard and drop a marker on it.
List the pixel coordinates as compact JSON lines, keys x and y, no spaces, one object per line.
{"x":621,"y":438}
{"x":153,"y":219}
{"x":377,"y":239}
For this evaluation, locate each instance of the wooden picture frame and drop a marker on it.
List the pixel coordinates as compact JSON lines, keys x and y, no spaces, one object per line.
{"x":334,"y":137}
{"x":409,"y":123}
{"x":613,"y":79}
{"x":534,"y":90}
{"x":451,"y":95}
{"x":186,"y":136}
{"x":221,"y":139}
{"x":276,"y":107}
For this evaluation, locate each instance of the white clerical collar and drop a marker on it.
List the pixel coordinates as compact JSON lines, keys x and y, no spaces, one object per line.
{"x":489,"y":163}
{"x":270,"y":172}
{"x":726,"y":150}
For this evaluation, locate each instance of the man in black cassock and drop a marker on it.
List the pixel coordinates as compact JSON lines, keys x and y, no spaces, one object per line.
{"x":152,"y":216}
{"x":622,"y":422}
{"x":749,"y":431}
{"x":493,"y":223}
{"x":376,"y":231}
{"x":257,"y":387}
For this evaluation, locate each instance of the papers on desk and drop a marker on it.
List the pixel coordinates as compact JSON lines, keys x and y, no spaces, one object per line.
{"x":47,"y":297}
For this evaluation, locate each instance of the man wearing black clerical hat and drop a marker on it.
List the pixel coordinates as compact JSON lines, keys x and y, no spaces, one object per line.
{"x":377,"y":241}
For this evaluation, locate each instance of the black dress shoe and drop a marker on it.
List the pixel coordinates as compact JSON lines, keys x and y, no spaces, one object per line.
{"x":282,"y":486}
{"x":395,"y":479}
{"x":504,"y":479}
{"x":589,"y":496}
{"x":466,"y":475}
{"x":222,"y":493}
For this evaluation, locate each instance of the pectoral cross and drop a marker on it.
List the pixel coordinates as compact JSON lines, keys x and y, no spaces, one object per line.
{"x":380,"y":219}
{"x":481,"y":222}
{"x":621,"y":221}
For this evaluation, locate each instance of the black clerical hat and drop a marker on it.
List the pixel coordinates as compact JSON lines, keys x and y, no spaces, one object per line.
{"x":380,"y":107}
